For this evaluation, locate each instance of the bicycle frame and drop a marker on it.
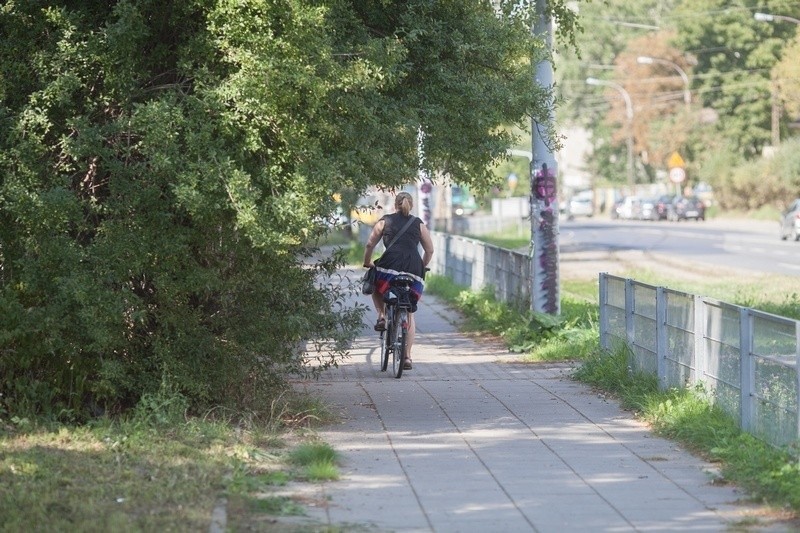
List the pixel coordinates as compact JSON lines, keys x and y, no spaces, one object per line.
{"x":399,"y":302}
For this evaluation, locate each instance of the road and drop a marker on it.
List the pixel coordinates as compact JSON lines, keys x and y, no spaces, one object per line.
{"x":731,"y":244}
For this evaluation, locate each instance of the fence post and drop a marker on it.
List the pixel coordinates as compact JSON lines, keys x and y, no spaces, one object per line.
{"x":630,"y":302}
{"x":603,"y":312}
{"x":700,"y":353}
{"x":746,"y":368}
{"x":797,"y":375}
{"x":661,"y":337}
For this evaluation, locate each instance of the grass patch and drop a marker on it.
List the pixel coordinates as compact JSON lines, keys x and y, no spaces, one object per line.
{"x":317,"y":461}
{"x":154,"y":470}
{"x":769,"y":475}
{"x":775,"y":294}
{"x":512,"y":239}
{"x":508,"y":242}
{"x":276,"y":506}
{"x":766,"y":212}
{"x":538,"y":336}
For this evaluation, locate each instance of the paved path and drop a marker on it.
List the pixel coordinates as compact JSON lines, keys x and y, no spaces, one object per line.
{"x":470,"y":441}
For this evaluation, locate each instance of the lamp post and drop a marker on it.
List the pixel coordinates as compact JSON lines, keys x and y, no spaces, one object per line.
{"x":687,"y":95}
{"x":629,"y":113}
{"x":769,"y":17}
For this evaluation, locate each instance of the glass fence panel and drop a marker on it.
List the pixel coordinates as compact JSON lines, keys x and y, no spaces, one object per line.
{"x":680,"y":358}
{"x":616,"y":293}
{"x":644,"y":300}
{"x":776,"y":404}
{"x":722,"y":323}
{"x":680,"y":310}
{"x":774,"y":337}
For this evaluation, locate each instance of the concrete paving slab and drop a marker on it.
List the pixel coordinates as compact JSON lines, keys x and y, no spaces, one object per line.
{"x":470,"y":440}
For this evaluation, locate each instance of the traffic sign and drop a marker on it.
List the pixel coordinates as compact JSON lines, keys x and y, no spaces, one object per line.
{"x":677,"y":175}
{"x":675,"y":161}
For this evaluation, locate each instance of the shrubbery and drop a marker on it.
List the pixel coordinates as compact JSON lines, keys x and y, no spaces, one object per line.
{"x":751,"y":185}
{"x":167,"y":166}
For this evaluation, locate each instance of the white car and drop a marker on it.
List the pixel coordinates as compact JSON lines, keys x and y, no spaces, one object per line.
{"x":630,"y":208}
{"x":581,"y":205}
{"x":790,"y":221}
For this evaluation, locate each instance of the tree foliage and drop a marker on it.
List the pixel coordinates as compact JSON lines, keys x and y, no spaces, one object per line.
{"x":739,"y":70}
{"x":166,"y":168}
{"x":786,"y":77}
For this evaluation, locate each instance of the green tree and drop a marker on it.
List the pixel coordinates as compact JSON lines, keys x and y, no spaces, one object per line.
{"x":735,"y":54}
{"x":604,"y":51}
{"x":786,"y":76}
{"x":165,"y":167}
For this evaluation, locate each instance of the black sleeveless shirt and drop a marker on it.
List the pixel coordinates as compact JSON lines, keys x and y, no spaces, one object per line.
{"x":403,"y":255}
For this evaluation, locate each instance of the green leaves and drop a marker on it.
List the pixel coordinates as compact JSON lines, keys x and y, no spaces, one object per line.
{"x":165,"y":168}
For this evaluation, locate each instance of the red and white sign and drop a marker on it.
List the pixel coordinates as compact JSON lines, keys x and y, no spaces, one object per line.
{"x":677,"y":175}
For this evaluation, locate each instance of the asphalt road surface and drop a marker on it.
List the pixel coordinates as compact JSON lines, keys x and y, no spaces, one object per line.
{"x":729,"y":244}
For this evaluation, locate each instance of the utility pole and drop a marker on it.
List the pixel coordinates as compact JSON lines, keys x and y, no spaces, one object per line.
{"x":545,"y":284}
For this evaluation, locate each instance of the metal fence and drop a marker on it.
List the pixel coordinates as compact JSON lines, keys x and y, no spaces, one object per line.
{"x":478,"y":265}
{"x":746,"y":360}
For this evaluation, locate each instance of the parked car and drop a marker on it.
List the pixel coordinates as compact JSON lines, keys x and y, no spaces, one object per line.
{"x":580,"y":206}
{"x":614,"y":213}
{"x":647,"y":209}
{"x":686,"y":207}
{"x":662,"y":206}
{"x":790,"y":221}
{"x":630,"y":208}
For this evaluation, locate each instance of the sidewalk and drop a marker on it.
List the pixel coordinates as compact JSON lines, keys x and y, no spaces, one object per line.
{"x":470,"y":441}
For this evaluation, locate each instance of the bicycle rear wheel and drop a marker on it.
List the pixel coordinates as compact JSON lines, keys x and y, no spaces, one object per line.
{"x":399,"y":332}
{"x":386,"y":341}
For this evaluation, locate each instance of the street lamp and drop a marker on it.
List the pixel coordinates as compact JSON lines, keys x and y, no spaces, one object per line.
{"x":769,"y":17}
{"x":629,"y":113}
{"x":687,"y":95}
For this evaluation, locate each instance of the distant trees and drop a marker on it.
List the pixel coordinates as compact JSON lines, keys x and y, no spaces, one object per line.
{"x":165,"y":167}
{"x":740,"y":71}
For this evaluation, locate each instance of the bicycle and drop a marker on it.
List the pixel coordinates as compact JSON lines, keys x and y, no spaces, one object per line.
{"x":400,"y":301}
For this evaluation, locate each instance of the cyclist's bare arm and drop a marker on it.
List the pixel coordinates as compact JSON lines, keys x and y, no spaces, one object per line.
{"x":372,"y":242}
{"x":427,"y":244}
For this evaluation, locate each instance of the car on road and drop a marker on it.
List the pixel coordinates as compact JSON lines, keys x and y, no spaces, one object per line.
{"x":581,"y":205}
{"x":614,"y":212}
{"x":687,"y":207}
{"x":662,"y":206}
{"x":647,"y":209}
{"x":629,"y":208}
{"x":790,"y":221}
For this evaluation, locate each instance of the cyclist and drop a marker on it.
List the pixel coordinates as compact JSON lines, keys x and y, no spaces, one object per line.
{"x":402,"y":257}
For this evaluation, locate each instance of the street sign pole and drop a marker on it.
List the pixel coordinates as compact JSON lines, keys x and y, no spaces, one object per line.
{"x":677,"y":171}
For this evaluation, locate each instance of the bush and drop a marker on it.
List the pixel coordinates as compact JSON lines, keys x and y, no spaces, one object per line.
{"x":751,"y":186}
{"x":144,"y":233}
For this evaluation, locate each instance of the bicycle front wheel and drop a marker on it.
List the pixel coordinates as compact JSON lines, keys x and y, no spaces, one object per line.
{"x":399,"y":332}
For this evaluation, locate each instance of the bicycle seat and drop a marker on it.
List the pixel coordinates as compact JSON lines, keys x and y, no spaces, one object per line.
{"x":402,"y":280}
{"x":400,"y":292}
